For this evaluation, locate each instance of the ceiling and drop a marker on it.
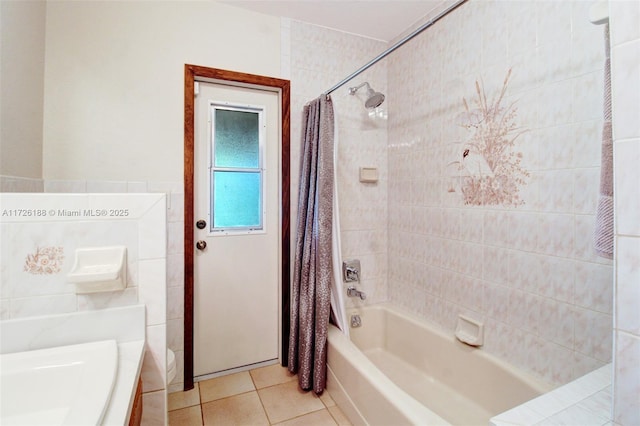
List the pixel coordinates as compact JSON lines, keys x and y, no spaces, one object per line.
{"x":378,"y":19}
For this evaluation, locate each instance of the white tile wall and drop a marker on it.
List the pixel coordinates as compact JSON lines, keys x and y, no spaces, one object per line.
{"x":320,"y":58}
{"x":136,"y":221}
{"x":625,"y":57}
{"x":20,"y":184}
{"x":533,"y":265}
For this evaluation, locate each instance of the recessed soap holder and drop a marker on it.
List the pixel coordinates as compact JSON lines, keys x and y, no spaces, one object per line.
{"x":470,"y":331}
{"x":99,"y":269}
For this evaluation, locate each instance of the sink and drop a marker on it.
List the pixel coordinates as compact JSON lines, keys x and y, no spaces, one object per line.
{"x":65,"y":385}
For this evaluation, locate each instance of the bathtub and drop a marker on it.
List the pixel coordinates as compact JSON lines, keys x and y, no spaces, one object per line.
{"x":397,"y":370}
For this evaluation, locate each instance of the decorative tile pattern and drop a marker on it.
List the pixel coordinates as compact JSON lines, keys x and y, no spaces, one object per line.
{"x":490,"y":170}
{"x":45,"y":261}
{"x":520,"y":259}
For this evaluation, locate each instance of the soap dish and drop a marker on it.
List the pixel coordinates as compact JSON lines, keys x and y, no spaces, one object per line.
{"x":470,"y":331}
{"x":99,"y":269}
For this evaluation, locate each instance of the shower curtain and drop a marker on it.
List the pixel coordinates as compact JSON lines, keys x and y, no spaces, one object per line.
{"x":312,"y":275}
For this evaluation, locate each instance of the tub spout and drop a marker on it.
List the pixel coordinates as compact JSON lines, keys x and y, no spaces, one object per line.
{"x":352,"y":292}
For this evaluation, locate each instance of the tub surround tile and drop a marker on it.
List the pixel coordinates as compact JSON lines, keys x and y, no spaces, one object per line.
{"x":627,"y":379}
{"x":586,"y":400}
{"x":573,"y":415}
{"x":540,"y":279}
{"x":627,"y":15}
{"x":627,"y":157}
{"x":625,"y":91}
{"x":628,"y":288}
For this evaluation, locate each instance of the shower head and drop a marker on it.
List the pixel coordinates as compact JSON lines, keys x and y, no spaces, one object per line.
{"x":374,"y":99}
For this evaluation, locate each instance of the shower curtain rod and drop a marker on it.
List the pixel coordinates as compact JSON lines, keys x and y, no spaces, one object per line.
{"x":395,"y":46}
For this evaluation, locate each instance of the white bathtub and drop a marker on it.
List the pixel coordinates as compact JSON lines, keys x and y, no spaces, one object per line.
{"x":397,"y":370}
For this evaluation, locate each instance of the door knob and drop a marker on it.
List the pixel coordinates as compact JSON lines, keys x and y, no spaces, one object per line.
{"x":201,"y":245}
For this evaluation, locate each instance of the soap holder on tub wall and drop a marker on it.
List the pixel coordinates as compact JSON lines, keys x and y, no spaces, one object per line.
{"x":470,"y":331}
{"x":99,"y":269}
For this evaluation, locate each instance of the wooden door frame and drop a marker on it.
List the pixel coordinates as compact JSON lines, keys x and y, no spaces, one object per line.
{"x":193,"y":73}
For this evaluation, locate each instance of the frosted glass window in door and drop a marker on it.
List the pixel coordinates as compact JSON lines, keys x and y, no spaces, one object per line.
{"x":237,"y":173}
{"x":237,"y":197}
{"x":237,"y":139}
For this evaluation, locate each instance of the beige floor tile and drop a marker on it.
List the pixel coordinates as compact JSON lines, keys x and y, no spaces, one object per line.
{"x":271,"y":375}
{"x":244,"y":409}
{"x":339,"y":416}
{"x":190,"y":416}
{"x":286,"y":401}
{"x":326,"y":399}
{"x":222,"y":387}
{"x":179,"y":400}
{"x":317,"y":418}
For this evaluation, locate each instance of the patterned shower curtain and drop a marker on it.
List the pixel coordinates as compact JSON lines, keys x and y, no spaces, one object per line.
{"x":312,"y":275}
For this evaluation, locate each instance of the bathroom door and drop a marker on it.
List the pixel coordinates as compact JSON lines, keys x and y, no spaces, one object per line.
{"x":236,"y":209}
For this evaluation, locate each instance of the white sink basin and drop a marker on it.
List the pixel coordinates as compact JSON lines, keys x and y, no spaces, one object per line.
{"x":66,"y":385}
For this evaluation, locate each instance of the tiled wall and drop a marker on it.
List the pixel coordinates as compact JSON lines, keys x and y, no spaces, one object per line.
{"x":625,"y":64}
{"x":175,"y":252}
{"x":20,"y":184}
{"x":523,"y":265}
{"x":320,"y":58}
{"x":40,"y":233}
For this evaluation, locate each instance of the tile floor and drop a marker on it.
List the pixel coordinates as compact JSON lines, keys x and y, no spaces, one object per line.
{"x":263,"y":396}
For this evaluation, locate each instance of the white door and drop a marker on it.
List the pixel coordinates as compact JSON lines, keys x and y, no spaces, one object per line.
{"x":236,"y":261}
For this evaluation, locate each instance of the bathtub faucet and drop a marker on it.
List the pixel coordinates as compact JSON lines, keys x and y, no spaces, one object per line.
{"x":352,"y":292}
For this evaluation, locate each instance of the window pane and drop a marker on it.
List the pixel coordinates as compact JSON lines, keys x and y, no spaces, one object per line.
{"x":236,"y":139}
{"x":236,"y":199}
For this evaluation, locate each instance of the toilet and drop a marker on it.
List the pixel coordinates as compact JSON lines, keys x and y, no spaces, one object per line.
{"x":171,"y":366}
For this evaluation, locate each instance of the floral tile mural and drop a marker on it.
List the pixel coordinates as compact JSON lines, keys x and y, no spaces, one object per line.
{"x":45,"y":261}
{"x":488,"y":167}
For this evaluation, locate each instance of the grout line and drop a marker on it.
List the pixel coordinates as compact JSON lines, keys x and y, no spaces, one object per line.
{"x":264,"y":409}
{"x":307,"y":413}
{"x":229,"y":396}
